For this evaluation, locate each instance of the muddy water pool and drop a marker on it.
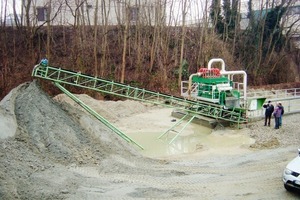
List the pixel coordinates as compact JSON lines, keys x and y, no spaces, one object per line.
{"x":195,"y":143}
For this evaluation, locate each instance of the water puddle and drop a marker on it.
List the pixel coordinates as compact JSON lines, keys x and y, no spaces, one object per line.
{"x":145,"y":129}
{"x":193,"y":139}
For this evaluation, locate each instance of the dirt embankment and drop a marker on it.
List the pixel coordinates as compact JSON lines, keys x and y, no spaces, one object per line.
{"x":52,"y":150}
{"x":47,"y":137}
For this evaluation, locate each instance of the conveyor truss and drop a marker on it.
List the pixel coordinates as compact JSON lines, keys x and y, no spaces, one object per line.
{"x":62,"y":77}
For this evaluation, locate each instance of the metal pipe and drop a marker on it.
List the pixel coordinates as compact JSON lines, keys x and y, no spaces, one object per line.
{"x":216,"y":60}
{"x":96,"y":115}
{"x":229,"y":73}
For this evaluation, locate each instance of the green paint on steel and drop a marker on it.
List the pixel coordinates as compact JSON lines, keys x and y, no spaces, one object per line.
{"x":182,"y":129}
{"x":260,"y":102}
{"x":95,"y":114}
{"x":211,"y":81}
{"x":77,"y":79}
{"x":177,"y":124}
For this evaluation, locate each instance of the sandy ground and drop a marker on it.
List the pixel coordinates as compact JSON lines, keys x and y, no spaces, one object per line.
{"x":51,"y":149}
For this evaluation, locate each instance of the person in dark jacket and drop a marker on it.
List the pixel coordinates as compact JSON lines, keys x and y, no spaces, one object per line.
{"x":268,"y":113}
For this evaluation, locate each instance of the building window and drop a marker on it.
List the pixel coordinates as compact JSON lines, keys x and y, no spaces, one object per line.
{"x":41,"y":14}
{"x":133,"y":14}
{"x":89,"y":6}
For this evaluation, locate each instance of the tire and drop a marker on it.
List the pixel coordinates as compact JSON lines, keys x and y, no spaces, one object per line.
{"x":287,"y":187}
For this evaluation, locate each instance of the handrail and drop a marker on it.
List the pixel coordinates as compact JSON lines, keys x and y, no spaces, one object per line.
{"x":276,"y":94}
{"x":77,"y":79}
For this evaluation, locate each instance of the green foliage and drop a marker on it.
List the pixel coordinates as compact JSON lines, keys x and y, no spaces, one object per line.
{"x":224,"y":25}
{"x":272,"y":29}
{"x":269,"y":32}
{"x":216,"y":17}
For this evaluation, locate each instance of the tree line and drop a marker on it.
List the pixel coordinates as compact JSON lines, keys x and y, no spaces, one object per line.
{"x":167,"y":42}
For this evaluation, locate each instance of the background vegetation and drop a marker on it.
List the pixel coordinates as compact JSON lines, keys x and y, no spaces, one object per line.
{"x":155,"y":56}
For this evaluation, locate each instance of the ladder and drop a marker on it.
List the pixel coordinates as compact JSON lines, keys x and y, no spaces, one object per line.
{"x":177,"y":125}
{"x":78,"y":79}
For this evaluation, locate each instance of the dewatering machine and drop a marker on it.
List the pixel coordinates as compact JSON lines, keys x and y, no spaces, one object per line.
{"x":217,"y":86}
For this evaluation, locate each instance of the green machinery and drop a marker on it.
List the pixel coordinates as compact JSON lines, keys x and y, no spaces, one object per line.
{"x":217,"y":86}
{"x":191,"y":106}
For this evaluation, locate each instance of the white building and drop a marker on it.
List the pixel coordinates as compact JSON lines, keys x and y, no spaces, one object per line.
{"x":86,"y":12}
{"x":290,"y":21}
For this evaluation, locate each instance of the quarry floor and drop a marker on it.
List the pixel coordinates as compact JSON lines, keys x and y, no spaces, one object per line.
{"x":51,"y":149}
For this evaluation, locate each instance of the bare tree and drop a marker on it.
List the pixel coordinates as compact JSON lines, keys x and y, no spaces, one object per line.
{"x":27,"y":6}
{"x":78,"y":40}
{"x":3,"y":13}
{"x":203,"y":25}
{"x":49,"y":10}
{"x":16,"y":16}
{"x":138,"y":41}
{"x":87,"y":11}
{"x":183,"y":34}
{"x":95,"y":38}
{"x":165,"y":42}
{"x":105,"y":13}
{"x":155,"y":40}
{"x":260,"y":44}
{"x":125,"y":35}
{"x":237,"y":7}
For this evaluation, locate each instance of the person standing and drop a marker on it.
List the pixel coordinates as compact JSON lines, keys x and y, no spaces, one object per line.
{"x":282,"y":112}
{"x":277,"y":114}
{"x":268,"y":113}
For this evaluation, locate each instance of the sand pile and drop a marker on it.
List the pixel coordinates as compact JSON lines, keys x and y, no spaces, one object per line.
{"x":52,"y":149}
{"x":37,"y":134}
{"x":110,"y":110}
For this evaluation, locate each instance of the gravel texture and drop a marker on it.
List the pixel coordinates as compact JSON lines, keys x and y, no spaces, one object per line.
{"x":51,"y":149}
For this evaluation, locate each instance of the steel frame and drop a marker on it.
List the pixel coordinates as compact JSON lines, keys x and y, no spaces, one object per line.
{"x":78,"y":79}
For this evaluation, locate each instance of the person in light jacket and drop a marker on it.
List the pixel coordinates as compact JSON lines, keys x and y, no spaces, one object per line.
{"x":277,"y":115}
{"x":282,"y":112}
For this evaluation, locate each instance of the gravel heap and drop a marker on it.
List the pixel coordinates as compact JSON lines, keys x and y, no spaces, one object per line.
{"x":42,"y":138}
